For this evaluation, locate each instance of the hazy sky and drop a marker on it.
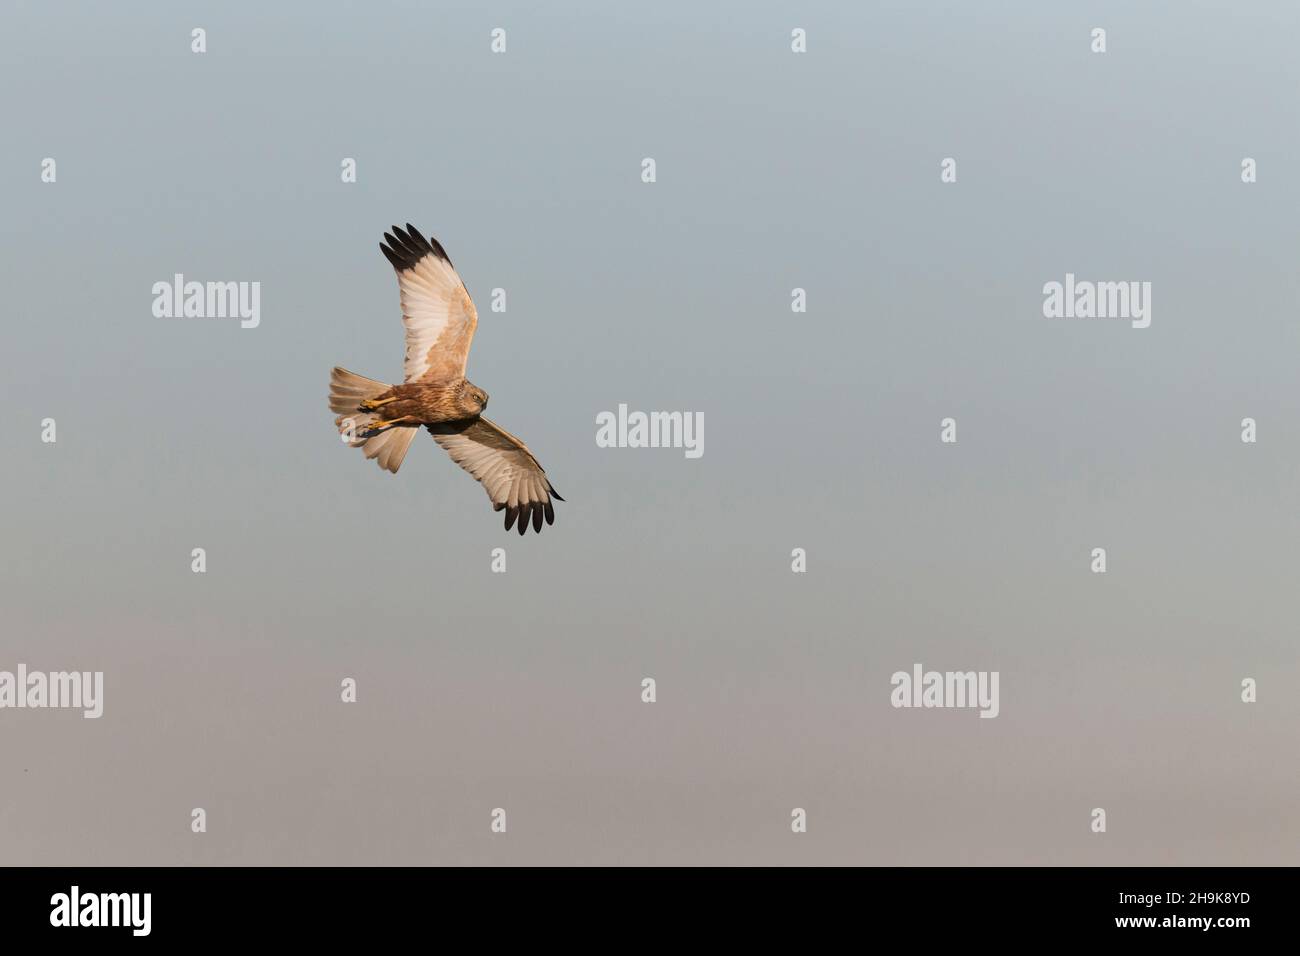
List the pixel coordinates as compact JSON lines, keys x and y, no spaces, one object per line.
{"x":775,"y":170}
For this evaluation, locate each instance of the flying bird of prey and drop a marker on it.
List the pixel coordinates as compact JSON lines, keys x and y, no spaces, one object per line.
{"x":382,"y":419}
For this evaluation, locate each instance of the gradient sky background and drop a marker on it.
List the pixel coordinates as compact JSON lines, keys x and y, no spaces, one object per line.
{"x":522,"y":690}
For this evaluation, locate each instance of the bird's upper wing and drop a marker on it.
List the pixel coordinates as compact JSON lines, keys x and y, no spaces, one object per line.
{"x":436,"y":309}
{"x":505,"y":467}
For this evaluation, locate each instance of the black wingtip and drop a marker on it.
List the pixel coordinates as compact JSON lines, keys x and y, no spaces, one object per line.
{"x":406,"y":247}
{"x":556,"y":495}
{"x":403,"y":249}
{"x":532,"y":512}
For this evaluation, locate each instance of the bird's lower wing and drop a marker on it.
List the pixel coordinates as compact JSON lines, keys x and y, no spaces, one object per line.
{"x":504,"y":466}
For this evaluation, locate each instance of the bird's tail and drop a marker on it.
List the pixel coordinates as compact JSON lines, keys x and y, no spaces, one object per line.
{"x":347,"y":391}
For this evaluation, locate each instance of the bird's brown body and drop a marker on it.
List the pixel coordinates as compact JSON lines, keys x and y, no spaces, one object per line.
{"x":428,"y":403}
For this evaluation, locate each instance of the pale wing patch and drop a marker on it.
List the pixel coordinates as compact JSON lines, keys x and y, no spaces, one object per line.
{"x":437,"y":311}
{"x":504,"y":466}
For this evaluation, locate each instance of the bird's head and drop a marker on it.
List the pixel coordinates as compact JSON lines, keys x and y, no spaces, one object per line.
{"x":475,"y":399}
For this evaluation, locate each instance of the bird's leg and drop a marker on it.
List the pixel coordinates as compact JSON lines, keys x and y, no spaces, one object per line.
{"x":380,"y":425}
{"x":370,"y":404}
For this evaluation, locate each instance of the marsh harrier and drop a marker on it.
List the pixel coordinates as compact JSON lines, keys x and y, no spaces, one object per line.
{"x":382,"y":419}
